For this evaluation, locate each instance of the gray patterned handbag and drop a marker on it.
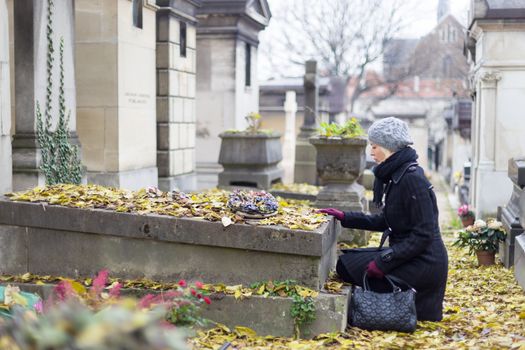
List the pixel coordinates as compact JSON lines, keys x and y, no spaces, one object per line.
{"x":395,"y":311}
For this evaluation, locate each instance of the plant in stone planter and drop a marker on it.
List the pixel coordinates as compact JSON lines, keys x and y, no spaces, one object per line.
{"x":250,"y":157}
{"x":466,"y":215}
{"x":253,"y":121}
{"x":482,"y":238}
{"x":340,"y":155}
{"x":340,"y":161}
{"x":351,"y":128}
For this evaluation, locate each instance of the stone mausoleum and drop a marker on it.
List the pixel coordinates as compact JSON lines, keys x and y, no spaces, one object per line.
{"x":144,"y":80}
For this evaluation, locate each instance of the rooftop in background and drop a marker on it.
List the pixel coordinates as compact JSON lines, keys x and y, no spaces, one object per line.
{"x":422,"y":88}
{"x":286,"y":84}
{"x":496,"y":9}
{"x":332,"y":93}
{"x":398,"y":51}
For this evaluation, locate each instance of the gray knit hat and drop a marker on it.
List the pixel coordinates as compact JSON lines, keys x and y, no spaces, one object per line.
{"x":390,"y":133}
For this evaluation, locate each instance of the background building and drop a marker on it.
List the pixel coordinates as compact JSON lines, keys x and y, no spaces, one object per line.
{"x":423,"y":78}
{"x":227,"y":86}
{"x":497,"y":76}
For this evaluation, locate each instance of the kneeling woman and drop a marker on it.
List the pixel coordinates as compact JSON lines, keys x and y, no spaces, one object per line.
{"x":416,"y":252}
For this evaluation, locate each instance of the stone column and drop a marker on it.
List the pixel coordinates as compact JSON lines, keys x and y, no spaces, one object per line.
{"x":484,"y":147}
{"x":305,"y":154}
{"x":176,"y":59}
{"x":117,"y":81}
{"x":30,"y":22}
{"x":227,"y":86}
{"x":5,"y":104}
{"x":290,"y":109}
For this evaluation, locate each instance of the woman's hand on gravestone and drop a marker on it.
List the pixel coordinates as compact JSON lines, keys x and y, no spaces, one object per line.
{"x":336,"y":213}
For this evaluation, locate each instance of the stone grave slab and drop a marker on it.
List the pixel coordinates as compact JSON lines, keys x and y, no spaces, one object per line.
{"x":54,"y":240}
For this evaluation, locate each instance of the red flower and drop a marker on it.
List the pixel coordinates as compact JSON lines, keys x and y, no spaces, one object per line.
{"x":115,"y":290}
{"x":146,"y":301}
{"x":100,"y":282}
{"x":199,"y":284}
{"x":207,"y":300}
{"x":193,"y":292}
{"x":182,"y":283}
{"x":63,"y":290}
{"x":199,"y":296}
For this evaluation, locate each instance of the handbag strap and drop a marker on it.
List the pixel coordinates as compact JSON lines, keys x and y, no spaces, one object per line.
{"x":384,"y":236}
{"x":391,"y":279}
{"x":400,"y":281}
{"x":366,"y":285}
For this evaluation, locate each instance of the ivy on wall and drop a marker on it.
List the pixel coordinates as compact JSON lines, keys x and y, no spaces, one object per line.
{"x":60,"y":159}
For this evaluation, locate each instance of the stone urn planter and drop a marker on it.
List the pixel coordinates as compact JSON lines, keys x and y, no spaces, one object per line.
{"x":250,"y":159}
{"x":340,"y":162}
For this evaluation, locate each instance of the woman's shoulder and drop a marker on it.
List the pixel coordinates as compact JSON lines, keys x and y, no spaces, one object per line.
{"x":404,"y":170}
{"x":415,"y":178}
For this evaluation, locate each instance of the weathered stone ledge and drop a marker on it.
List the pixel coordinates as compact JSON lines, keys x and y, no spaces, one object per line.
{"x":294,"y":195}
{"x":54,"y":240}
{"x":265,"y":315}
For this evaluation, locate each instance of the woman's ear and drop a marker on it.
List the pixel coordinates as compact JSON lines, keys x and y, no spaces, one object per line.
{"x":386,"y":152}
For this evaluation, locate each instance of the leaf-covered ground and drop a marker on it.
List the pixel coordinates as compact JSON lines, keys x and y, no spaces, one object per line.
{"x":484,"y":309}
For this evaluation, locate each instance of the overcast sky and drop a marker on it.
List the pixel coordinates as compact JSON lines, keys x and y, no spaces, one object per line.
{"x":423,"y":12}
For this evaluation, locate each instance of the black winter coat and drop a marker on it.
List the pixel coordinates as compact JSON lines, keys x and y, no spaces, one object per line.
{"x":419,"y":255}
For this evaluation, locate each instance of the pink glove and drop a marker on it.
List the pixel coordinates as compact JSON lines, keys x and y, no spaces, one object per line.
{"x":373,"y":271}
{"x":336,"y":213}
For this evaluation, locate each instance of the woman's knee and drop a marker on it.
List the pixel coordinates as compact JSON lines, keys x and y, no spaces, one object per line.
{"x":342,"y":272}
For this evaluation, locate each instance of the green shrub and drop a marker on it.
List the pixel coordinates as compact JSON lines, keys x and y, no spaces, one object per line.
{"x":351,"y":128}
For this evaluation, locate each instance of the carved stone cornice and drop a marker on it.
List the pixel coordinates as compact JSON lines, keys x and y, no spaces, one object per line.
{"x":183,"y":10}
{"x":475,"y":32}
{"x":490,"y":78}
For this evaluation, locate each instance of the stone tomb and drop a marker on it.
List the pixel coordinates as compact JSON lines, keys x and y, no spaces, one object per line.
{"x":518,"y":176}
{"x":52,"y":240}
{"x":519,"y":260}
{"x":509,"y":214}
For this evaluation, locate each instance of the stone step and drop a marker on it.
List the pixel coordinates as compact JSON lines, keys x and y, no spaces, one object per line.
{"x":271,"y":315}
{"x":265,"y":315}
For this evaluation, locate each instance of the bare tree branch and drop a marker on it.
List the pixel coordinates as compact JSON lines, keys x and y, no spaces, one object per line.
{"x":346,"y":37}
